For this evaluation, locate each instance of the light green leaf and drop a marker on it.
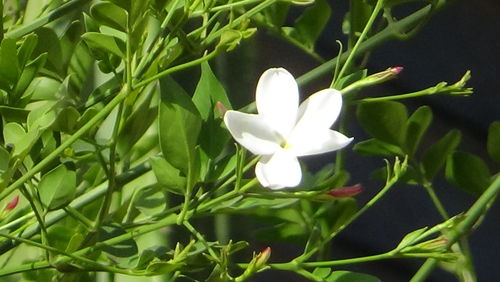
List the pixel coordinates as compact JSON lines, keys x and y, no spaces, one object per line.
{"x":168,"y":176}
{"x":435,"y":157}
{"x":493,"y":143}
{"x":13,"y":133}
{"x":150,"y":201}
{"x":384,"y":120}
{"x":180,"y":124}
{"x":468,"y":172}
{"x":109,"y":14}
{"x":105,"y":43}
{"x":28,"y":74}
{"x":208,"y":92}
{"x":24,"y":52}
{"x":57,"y":187}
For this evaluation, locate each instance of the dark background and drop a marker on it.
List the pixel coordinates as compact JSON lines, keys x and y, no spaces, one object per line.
{"x":464,"y":36}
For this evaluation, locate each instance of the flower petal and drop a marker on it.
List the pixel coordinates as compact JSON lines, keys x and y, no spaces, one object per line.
{"x":277,"y":99}
{"x":319,"y":111}
{"x":279,"y":170}
{"x":317,"y":142}
{"x":252,"y":132}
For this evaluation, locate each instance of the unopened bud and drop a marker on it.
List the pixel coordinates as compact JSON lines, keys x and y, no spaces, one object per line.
{"x":262,"y":258}
{"x":396,"y":70}
{"x":221,"y":109}
{"x":12,"y":204}
{"x":346,"y":191}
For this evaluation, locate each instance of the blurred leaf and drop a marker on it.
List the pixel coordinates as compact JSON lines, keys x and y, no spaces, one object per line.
{"x":66,"y":120}
{"x":384,"y":120}
{"x":275,"y":15}
{"x":43,"y":88}
{"x":11,"y":114}
{"x":435,"y":157}
{"x":50,"y":44}
{"x":468,"y":172}
{"x":168,"y":176}
{"x":351,"y":78}
{"x":347,"y":276}
{"x":150,"y":201}
{"x":493,"y":143}
{"x":57,"y":187}
{"x":4,"y":159}
{"x":110,"y":14}
{"x":105,"y":131}
{"x":417,"y":125}
{"x":376,"y":147}
{"x":355,"y":21}
{"x":311,"y":23}
{"x":179,"y":126}
{"x":105,"y":43}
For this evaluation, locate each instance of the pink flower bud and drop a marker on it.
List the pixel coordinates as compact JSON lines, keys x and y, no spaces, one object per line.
{"x":262,"y":258}
{"x":221,"y":109}
{"x":12,"y":204}
{"x":396,"y":70}
{"x":346,"y":191}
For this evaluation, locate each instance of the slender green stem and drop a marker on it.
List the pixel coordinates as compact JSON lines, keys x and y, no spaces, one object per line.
{"x":54,"y":154}
{"x":471,"y":217}
{"x":354,"y":51}
{"x":201,"y":239}
{"x":78,"y":216}
{"x":225,"y":7}
{"x":65,"y":9}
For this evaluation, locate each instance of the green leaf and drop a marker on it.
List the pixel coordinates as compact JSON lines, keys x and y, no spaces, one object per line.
{"x":384,"y":120}
{"x":150,"y":201}
{"x":105,"y":43}
{"x":493,"y":143}
{"x":110,"y":14}
{"x":180,"y":124}
{"x":376,"y":147}
{"x":24,"y":52}
{"x":351,"y":78}
{"x":4,"y":159}
{"x":168,"y":176}
{"x":208,"y":92}
{"x":121,"y":251}
{"x":50,"y":44}
{"x":348,"y":276}
{"x":312,"y":22}
{"x":417,"y":125}
{"x":42,"y":115}
{"x":28,"y":74}
{"x":13,"y":133}
{"x":468,"y":173}
{"x":43,"y":88}
{"x":11,"y":114}
{"x":411,"y":238}
{"x":435,"y":157}
{"x":9,"y":68}
{"x":275,"y":15}
{"x":356,"y":20}
{"x":57,"y":187}
{"x":66,"y":120}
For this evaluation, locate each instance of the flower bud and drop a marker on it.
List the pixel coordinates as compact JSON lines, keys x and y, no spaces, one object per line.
{"x":262,"y":258}
{"x":374,"y":79}
{"x":346,"y":191}
{"x":12,"y":204}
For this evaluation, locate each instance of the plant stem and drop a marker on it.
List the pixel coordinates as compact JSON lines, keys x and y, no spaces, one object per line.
{"x":471,"y":217}
{"x":354,"y":51}
{"x":388,"y":33}
{"x":55,"y":14}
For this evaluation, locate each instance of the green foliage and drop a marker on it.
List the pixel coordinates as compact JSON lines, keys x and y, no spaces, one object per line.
{"x":468,"y":172}
{"x":384,"y":120}
{"x":57,"y":187}
{"x":494,"y":141}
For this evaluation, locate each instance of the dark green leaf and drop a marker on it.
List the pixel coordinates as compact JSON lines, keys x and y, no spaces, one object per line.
{"x":435,"y":157}
{"x":312,"y":22}
{"x":51,"y":44}
{"x":417,"y":125}
{"x":110,"y":14}
{"x":180,"y":125}
{"x":9,"y":69}
{"x":376,"y":147}
{"x":4,"y":159}
{"x":66,"y":120}
{"x":468,"y":173}
{"x":11,"y":114}
{"x":168,"y":176}
{"x":494,"y":141}
{"x":384,"y":120}
{"x":347,"y":276}
{"x":24,"y":52}
{"x":28,"y":74}
{"x":275,"y":15}
{"x":57,"y":187}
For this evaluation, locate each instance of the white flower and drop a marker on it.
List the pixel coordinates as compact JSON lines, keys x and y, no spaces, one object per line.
{"x":282,"y":130}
